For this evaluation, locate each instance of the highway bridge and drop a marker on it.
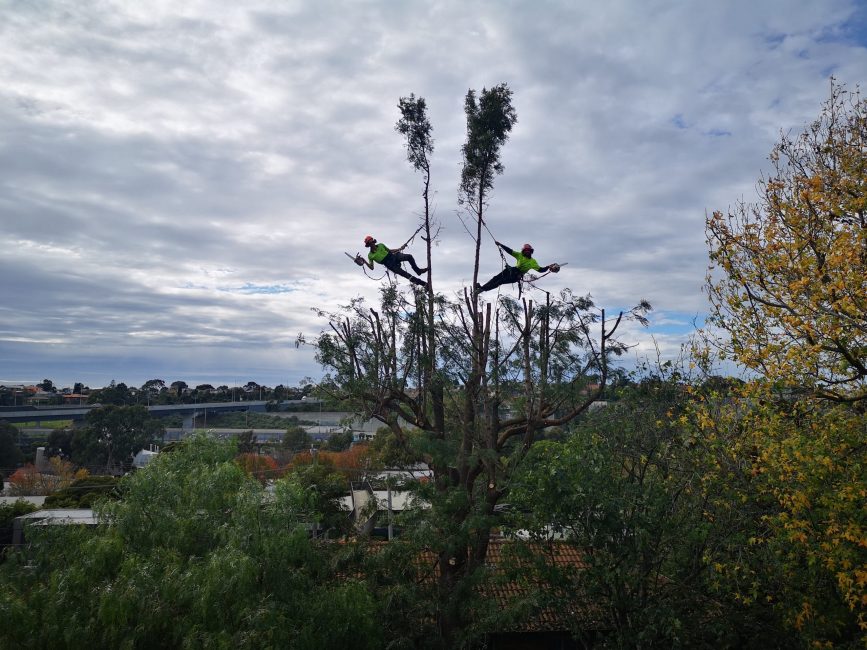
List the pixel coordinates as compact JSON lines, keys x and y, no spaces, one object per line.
{"x":193,"y":413}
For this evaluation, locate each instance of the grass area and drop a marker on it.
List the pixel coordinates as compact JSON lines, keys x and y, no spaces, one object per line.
{"x":45,"y":424}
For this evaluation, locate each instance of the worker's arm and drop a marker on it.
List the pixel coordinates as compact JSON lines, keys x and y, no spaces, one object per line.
{"x":505,"y":248}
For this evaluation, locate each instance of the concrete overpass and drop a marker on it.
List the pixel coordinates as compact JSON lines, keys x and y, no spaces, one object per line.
{"x":191,"y":412}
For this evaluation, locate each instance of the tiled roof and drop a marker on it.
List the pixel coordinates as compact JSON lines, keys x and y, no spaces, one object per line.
{"x":516,"y":581}
{"x":517,"y":576}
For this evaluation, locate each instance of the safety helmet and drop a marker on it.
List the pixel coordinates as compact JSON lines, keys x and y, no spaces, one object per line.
{"x":368,"y":240}
{"x":527,"y":248}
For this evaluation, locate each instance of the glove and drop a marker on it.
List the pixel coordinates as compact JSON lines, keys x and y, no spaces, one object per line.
{"x":359,"y":261}
{"x":555,"y":268}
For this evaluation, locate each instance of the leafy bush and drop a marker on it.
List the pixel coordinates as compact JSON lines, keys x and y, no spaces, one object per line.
{"x":7,"y":516}
{"x":83,"y":492}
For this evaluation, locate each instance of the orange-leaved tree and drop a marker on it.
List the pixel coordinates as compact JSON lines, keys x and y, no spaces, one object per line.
{"x":260,"y":467}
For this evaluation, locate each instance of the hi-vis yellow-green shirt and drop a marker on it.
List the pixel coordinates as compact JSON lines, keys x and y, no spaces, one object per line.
{"x":524,"y":263}
{"x":379,"y":253}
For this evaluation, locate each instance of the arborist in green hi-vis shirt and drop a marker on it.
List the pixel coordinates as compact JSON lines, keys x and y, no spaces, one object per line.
{"x":511,"y":274}
{"x":390,"y":259}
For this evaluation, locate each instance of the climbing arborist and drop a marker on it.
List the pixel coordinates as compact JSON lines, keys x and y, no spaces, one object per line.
{"x":511,"y":274}
{"x":390,"y":259}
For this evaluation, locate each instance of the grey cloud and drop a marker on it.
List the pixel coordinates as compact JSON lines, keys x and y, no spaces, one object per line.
{"x":158,"y":160}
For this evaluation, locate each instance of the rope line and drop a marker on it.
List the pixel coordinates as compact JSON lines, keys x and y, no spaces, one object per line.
{"x":412,"y":237}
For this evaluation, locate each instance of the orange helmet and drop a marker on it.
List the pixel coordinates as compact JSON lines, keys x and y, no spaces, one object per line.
{"x":368,"y":240}
{"x":527,"y":248}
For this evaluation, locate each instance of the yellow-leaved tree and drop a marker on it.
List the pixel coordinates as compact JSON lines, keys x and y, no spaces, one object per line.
{"x":793,"y":292}
{"x":788,"y":285}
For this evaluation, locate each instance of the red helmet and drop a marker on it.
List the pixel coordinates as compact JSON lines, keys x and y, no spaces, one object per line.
{"x":527,"y":248}
{"x":368,"y":240}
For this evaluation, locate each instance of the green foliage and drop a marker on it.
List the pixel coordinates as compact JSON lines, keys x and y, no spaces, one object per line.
{"x":388,"y":451}
{"x":114,"y":393}
{"x":194,"y":555}
{"x":60,"y":443}
{"x":112,"y":435}
{"x":10,"y":454}
{"x":296,"y":439}
{"x":490,"y":118}
{"x":83,"y":492}
{"x":787,"y":478}
{"x":8,"y":512}
{"x":324,"y":488}
{"x":415,"y":126}
{"x":339,"y":441}
{"x":627,"y":486}
{"x":652,"y":502}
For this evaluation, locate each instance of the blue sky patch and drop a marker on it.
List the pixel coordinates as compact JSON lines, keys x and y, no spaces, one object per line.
{"x":674,"y":322}
{"x":774,"y":40}
{"x":852,"y":31}
{"x":249,"y":288}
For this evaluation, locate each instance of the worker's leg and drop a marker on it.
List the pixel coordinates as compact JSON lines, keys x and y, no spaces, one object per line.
{"x":406,"y":257}
{"x":508,"y":275}
{"x":394,"y":267}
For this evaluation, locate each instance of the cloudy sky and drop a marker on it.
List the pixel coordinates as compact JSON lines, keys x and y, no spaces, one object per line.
{"x":180,"y":179}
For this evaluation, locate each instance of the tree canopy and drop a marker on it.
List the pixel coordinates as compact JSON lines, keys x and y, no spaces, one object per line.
{"x":440,"y":375}
{"x":787,"y":275}
{"x":195,"y":555}
{"x":787,"y":287}
{"x":112,"y":435}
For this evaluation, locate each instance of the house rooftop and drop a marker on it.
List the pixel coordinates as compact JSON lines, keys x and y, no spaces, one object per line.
{"x":62,"y":516}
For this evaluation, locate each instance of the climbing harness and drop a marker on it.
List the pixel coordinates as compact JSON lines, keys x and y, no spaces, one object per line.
{"x":359,"y":260}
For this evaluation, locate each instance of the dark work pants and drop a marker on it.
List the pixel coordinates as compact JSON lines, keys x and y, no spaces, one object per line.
{"x":392,"y":263}
{"x":508,"y":275}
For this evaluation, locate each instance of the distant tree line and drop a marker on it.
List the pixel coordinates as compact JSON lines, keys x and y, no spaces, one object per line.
{"x":158,"y":391}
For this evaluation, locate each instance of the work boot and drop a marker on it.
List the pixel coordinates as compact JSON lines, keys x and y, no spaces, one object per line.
{"x":420,"y":283}
{"x":421,"y":271}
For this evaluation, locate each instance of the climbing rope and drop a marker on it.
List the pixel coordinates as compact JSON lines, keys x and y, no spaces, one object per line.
{"x":412,"y":237}
{"x":364,"y":268}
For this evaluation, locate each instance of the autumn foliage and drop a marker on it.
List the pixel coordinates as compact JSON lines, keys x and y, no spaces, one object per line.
{"x":788,"y":285}
{"x":30,"y":481}
{"x":260,"y":467}
{"x":792,"y":293}
{"x":348,"y":462}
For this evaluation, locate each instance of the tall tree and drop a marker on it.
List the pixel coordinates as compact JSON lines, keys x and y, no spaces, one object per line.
{"x":787,"y":286}
{"x":627,"y":487}
{"x":112,"y":435}
{"x":490,"y":119}
{"x":153,"y":386}
{"x":10,"y":454}
{"x":114,"y":393}
{"x":790,"y":288}
{"x":416,"y":128}
{"x":536,"y":358}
